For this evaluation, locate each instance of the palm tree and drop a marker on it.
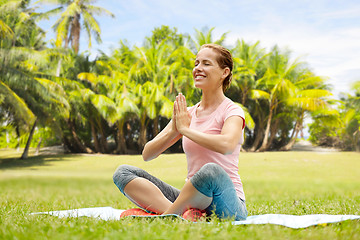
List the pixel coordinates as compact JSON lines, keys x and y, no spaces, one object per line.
{"x":117,"y":78}
{"x":76,"y":15}
{"x":205,"y":36}
{"x":309,"y":100}
{"x":248,"y":68}
{"x":154,"y":71}
{"x":112,"y":97}
{"x":278,"y":84}
{"x":350,"y":133}
{"x":248,"y":64}
{"x":5,"y":31}
{"x":28,"y":98}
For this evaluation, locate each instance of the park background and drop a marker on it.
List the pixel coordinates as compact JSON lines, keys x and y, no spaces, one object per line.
{"x":61,"y":86}
{"x":296,"y":75}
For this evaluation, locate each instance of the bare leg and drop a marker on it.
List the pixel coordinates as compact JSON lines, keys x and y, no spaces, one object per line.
{"x":147,"y":195}
{"x":189,"y":197}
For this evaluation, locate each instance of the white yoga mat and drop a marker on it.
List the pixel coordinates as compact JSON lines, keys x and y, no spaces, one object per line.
{"x":291,"y":221}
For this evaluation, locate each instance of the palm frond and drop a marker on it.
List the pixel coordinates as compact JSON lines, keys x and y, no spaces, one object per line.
{"x":20,"y":109}
{"x":259,"y":94}
{"x":98,"y":11}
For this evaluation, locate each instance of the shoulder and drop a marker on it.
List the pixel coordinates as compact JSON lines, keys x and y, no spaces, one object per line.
{"x":233,"y":108}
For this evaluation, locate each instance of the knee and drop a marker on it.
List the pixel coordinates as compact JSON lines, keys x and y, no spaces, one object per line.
{"x":211,"y":170}
{"x":208,"y":173}
{"x":121,"y":174}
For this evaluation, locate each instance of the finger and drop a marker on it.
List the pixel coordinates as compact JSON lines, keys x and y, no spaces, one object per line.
{"x":180,"y":97}
{"x":178,"y":102}
{"x":183,"y":102}
{"x":176,"y":108}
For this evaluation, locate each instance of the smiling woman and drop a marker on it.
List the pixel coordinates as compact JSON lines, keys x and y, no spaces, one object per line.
{"x":212,"y":133}
{"x":214,"y":58}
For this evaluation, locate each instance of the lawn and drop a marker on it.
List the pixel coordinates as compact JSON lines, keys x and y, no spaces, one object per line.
{"x":274,"y":182}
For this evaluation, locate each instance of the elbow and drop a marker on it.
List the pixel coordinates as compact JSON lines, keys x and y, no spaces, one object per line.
{"x":227,"y":148}
{"x":146,"y":155}
{"x":145,"y":158}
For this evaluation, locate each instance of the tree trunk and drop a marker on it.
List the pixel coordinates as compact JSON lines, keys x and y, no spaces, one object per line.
{"x":258,"y":137}
{"x":156,"y":126}
{"x":121,"y":147}
{"x":273,"y":131}
{"x":142,"y":137}
{"x":79,"y":144}
{"x":38,"y":147}
{"x":75,"y":33}
{"x":292,"y":141}
{"x":94,"y":135}
{"x":104,"y":145}
{"x":356,"y":143}
{"x":244,"y":96}
{"x":266,"y":135}
{"x":26,"y":150}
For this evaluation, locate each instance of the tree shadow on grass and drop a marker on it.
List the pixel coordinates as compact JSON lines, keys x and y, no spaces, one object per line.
{"x":42,"y":160}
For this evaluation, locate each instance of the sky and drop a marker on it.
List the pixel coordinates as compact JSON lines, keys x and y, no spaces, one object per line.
{"x":323,"y":33}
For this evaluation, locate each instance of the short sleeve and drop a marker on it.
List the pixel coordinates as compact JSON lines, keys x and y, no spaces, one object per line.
{"x":234,"y":110}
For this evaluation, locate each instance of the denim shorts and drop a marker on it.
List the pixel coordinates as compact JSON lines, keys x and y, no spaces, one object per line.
{"x":211,"y":180}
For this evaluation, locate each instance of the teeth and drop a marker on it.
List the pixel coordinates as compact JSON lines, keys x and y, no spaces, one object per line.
{"x":199,"y":77}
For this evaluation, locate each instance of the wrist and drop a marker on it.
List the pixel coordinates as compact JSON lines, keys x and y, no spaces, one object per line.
{"x":183,"y":130}
{"x":173,"y":133}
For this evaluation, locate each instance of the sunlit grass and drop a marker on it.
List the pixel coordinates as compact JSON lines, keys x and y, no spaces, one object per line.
{"x":274,"y":182}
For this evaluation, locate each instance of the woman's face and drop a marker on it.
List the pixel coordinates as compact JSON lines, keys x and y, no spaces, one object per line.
{"x":207,"y":73}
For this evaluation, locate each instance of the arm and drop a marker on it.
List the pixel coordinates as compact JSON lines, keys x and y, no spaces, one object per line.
{"x":166,"y":138}
{"x":224,"y":143}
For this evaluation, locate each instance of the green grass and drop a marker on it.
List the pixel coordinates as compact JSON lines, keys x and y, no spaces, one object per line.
{"x":274,"y":182}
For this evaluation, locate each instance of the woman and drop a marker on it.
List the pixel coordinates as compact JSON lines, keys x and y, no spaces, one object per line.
{"x":212,"y":133}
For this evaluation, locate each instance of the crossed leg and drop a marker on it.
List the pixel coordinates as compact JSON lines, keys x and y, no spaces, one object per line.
{"x":150,"y":193}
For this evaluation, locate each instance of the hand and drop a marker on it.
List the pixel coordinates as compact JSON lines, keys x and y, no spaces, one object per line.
{"x":181,"y":117}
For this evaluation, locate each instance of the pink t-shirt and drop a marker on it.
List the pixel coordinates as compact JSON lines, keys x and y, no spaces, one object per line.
{"x":197,"y":156}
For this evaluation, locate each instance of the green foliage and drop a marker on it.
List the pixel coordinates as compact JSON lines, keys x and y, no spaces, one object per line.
{"x":339,"y":128}
{"x":43,"y":137}
{"x":117,"y":102}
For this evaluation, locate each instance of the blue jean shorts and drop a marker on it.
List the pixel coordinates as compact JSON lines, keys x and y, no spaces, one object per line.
{"x":212,"y":181}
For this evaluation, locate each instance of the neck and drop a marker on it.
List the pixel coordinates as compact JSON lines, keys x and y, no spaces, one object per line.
{"x":210,"y":99}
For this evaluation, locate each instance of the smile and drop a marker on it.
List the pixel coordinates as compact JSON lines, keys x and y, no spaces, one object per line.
{"x":198,"y":77}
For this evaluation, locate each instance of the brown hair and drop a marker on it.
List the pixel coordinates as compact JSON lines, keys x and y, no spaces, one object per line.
{"x":224,"y":60}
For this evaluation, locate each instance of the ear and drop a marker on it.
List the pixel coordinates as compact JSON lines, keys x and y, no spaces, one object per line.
{"x":226,"y":72}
